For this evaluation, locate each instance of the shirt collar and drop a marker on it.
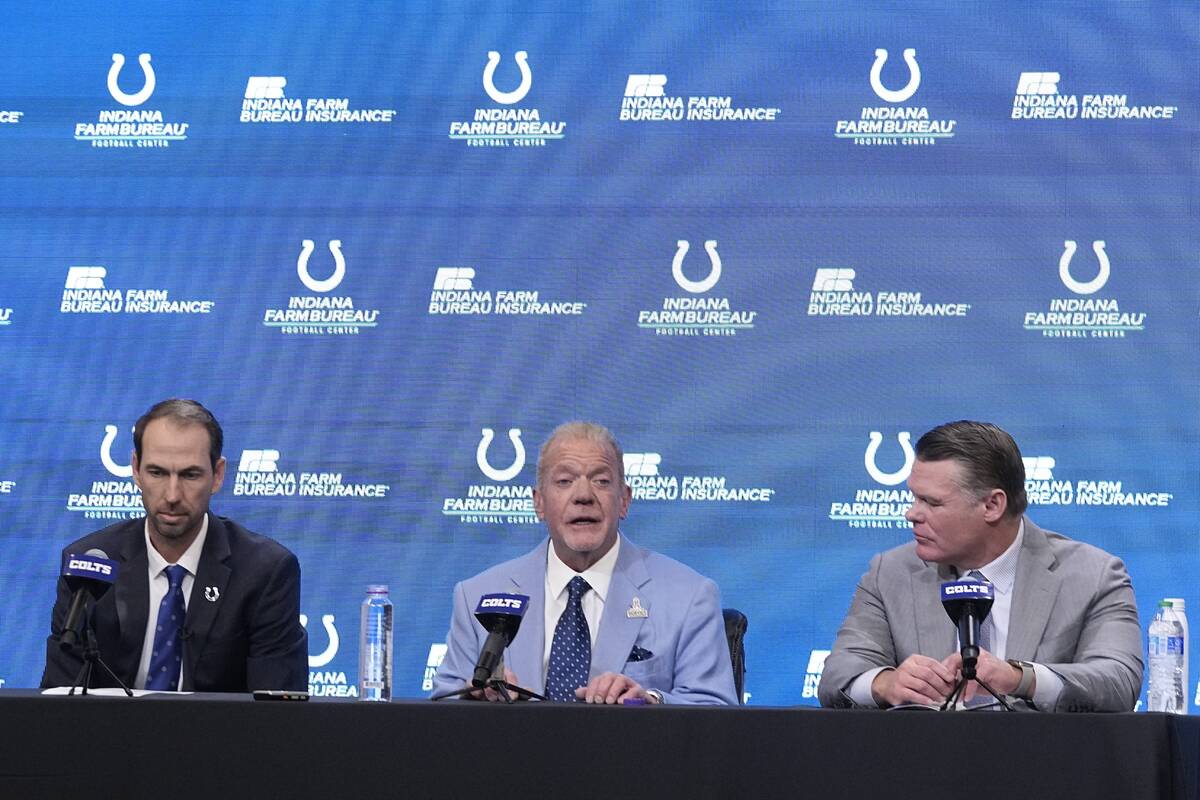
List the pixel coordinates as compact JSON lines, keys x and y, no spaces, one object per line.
{"x":1002,"y":572}
{"x":598,"y":575}
{"x":190,"y":560}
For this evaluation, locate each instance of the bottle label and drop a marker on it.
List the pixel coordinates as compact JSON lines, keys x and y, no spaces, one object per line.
{"x":1161,"y":645}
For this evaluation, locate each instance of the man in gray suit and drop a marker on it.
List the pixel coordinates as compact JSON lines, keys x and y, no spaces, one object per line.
{"x":1063,"y":633}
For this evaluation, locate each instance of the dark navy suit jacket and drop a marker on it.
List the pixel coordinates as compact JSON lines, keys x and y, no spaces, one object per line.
{"x":242,"y":630}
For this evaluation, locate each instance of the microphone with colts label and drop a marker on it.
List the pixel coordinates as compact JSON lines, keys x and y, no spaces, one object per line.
{"x":500,"y":615}
{"x":968,"y":602}
{"x":90,"y":574}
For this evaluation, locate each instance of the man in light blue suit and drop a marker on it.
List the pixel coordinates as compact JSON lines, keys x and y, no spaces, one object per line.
{"x":607,"y":621}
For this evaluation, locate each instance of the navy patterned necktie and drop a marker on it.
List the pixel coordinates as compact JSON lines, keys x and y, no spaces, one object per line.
{"x":167,"y":655}
{"x":986,"y":627}
{"x":571,"y":650}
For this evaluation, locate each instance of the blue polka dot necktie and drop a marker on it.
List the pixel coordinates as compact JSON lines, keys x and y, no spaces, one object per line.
{"x":167,"y":655}
{"x":571,"y":650}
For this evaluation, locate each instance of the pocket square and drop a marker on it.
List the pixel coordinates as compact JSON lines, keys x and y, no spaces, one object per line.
{"x":639,"y":654}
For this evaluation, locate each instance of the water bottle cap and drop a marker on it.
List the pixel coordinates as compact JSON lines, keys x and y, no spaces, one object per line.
{"x":1165,"y":604}
{"x":1177,"y":603}
{"x":382,"y":588}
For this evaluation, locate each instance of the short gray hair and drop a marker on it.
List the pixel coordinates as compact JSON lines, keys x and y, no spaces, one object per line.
{"x":579,"y":429}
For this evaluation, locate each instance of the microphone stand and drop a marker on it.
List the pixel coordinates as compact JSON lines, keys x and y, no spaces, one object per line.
{"x":503,"y":687}
{"x":968,"y":674}
{"x":91,"y":657}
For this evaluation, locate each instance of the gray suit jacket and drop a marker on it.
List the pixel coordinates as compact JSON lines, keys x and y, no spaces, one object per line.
{"x":679,"y":648}
{"x":1073,"y":611}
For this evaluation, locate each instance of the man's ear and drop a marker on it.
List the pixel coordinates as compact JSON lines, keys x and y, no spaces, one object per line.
{"x":995,"y":503}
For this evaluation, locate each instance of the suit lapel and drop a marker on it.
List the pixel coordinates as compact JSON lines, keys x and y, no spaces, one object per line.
{"x":618,"y":632}
{"x":132,"y":597}
{"x":524,"y":655}
{"x":208,"y":588}
{"x":936,"y":635}
{"x":1034,"y":592}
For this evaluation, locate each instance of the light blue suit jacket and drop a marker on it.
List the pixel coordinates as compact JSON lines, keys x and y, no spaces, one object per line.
{"x":683,"y":631}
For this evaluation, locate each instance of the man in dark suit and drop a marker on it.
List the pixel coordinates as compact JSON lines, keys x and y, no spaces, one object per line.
{"x":200,"y":603}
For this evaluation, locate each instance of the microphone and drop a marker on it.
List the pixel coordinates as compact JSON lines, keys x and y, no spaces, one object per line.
{"x":500,"y":615}
{"x":89,"y":574}
{"x":968,"y":602}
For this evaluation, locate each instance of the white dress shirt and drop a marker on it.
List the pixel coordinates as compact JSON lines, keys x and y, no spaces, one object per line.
{"x":159,"y":584}
{"x":558,"y":575}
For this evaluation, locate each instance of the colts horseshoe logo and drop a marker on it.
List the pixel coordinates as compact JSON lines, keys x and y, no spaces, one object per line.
{"x":327,"y":655}
{"x":889,"y":478}
{"x":137,"y":98}
{"x":339,"y":269}
{"x":696,"y":287}
{"x":914,"y":76}
{"x":1064,"y":269}
{"x":110,"y":436}
{"x":514,"y":436}
{"x":518,"y":94}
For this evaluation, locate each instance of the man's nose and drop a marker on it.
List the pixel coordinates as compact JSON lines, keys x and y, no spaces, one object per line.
{"x":912,"y":515}
{"x":173,"y":493}
{"x":581,"y":492}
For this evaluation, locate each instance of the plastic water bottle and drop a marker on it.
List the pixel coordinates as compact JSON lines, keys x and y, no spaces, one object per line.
{"x":1181,"y":611}
{"x":1167,"y":692}
{"x":375,"y":646}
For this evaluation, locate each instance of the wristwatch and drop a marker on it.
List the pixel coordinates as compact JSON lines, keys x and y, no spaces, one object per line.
{"x":657,"y":695}
{"x":1027,"y":676}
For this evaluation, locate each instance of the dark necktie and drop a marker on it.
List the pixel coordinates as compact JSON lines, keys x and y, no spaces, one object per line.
{"x":167,"y":655}
{"x":571,"y":650}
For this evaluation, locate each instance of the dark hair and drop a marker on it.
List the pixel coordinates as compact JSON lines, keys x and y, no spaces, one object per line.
{"x":183,"y":412}
{"x":989,"y":456}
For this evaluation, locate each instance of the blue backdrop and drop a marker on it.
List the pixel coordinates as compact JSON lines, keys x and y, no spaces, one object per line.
{"x":362,"y":247}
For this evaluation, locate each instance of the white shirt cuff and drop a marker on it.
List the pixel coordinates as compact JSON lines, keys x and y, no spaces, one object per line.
{"x":1049,"y":687}
{"x":859,"y":689}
